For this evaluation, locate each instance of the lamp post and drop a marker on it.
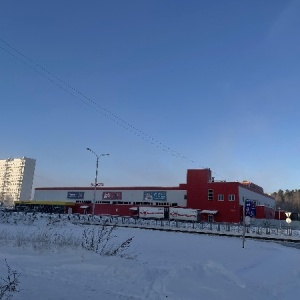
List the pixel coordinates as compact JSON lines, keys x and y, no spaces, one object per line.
{"x":96,"y":177}
{"x":279,"y":217}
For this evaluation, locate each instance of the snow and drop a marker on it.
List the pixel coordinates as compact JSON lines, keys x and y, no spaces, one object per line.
{"x":165,"y":265}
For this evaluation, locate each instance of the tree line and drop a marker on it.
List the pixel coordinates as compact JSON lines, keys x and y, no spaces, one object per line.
{"x":288,"y":200}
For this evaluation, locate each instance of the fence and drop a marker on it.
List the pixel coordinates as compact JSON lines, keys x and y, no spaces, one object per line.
{"x":266,"y":230}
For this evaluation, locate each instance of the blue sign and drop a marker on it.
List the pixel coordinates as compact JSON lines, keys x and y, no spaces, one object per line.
{"x":250,"y":208}
{"x":75,"y":195}
{"x":155,"y":196}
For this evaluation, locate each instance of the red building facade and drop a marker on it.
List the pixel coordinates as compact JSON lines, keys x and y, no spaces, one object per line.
{"x":218,"y":201}
{"x":223,"y":201}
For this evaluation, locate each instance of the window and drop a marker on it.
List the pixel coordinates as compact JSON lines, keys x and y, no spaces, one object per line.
{"x":220,"y":197}
{"x":210,"y":194}
{"x":210,"y":218}
{"x":231,"y":197}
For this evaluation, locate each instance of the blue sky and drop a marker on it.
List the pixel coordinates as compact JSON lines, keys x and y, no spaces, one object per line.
{"x":162,"y":86}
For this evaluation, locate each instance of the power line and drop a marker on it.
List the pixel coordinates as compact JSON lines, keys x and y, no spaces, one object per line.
{"x":88,"y":101}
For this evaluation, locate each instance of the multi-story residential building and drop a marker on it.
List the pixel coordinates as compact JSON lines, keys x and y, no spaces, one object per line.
{"x":16,"y":179}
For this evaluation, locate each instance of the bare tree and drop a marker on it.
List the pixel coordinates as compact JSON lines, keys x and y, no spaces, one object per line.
{"x":10,"y":284}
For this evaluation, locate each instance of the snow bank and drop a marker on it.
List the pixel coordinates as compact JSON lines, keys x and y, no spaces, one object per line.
{"x":169,"y":265}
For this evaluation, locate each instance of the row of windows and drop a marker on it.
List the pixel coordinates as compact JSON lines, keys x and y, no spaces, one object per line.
{"x":221,"y":197}
{"x":14,"y":182}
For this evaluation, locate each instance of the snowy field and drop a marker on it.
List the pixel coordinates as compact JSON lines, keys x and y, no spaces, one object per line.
{"x":162,"y":265}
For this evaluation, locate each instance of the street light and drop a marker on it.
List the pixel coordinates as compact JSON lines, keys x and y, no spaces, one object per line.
{"x":279,"y":217}
{"x":96,"y":177}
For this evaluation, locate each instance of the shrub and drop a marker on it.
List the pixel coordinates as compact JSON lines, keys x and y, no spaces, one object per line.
{"x":102,"y":241}
{"x":10,"y":284}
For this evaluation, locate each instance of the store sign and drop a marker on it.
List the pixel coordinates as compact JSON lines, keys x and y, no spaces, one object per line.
{"x":75,"y":195}
{"x":112,"y":196}
{"x":250,"y":208}
{"x":155,"y":196}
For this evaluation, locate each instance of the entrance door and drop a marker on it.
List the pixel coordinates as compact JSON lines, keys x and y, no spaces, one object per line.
{"x":166,"y":212}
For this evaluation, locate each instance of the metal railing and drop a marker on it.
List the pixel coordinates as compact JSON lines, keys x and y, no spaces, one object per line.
{"x":265,"y":230}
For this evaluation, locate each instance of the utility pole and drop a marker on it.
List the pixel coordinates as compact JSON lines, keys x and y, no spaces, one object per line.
{"x":96,"y":177}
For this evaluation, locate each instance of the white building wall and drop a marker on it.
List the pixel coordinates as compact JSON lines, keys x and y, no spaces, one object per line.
{"x":16,"y":179}
{"x":134,"y":195}
{"x":27,"y":182}
{"x":252,"y":195}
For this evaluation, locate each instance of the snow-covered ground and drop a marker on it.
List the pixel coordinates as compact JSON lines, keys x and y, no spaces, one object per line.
{"x":165,"y":265}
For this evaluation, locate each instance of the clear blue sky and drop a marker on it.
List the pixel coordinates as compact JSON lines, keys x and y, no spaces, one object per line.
{"x":198,"y":83}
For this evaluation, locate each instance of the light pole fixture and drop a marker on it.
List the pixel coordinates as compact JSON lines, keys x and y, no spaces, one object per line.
{"x":96,"y":177}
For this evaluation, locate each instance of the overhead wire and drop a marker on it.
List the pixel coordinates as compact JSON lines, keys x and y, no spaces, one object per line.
{"x":107,"y":113}
{"x":89,"y":102}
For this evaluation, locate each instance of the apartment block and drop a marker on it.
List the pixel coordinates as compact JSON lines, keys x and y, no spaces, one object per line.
{"x":16,"y":179}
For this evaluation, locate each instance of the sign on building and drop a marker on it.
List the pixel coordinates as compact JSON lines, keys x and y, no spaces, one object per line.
{"x":155,"y":196}
{"x":250,"y":208}
{"x":112,"y":196}
{"x":75,"y":195}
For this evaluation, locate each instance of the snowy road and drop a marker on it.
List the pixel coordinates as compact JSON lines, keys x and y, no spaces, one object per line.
{"x":168,"y":265}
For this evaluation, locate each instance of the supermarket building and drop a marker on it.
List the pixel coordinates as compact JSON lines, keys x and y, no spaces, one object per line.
{"x":217,"y":201}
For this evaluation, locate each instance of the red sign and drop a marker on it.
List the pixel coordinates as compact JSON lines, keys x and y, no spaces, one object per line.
{"x":112,"y":196}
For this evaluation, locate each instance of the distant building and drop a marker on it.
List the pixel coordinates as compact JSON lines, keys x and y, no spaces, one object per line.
{"x":217,"y":201}
{"x":16,"y":179}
